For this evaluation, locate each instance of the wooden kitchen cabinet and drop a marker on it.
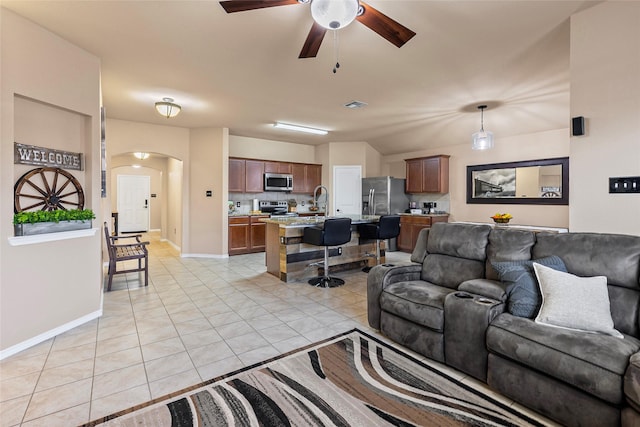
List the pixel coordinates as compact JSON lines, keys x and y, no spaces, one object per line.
{"x":299,"y":171}
{"x":410,"y":226}
{"x":237,"y":173}
{"x":258,"y":234}
{"x":247,"y":175}
{"x":313,"y":177}
{"x":239,"y":235}
{"x":277,"y":167}
{"x":427,"y":174}
{"x":306,"y":177}
{"x":246,"y":234}
{"x":254,"y":176}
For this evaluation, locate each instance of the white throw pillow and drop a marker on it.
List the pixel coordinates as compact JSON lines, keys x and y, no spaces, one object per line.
{"x":572,"y":302}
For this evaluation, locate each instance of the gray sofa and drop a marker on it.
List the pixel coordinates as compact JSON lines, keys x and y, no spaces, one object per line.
{"x":450,"y":304}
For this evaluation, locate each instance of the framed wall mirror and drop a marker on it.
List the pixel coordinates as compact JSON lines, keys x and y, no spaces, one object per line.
{"x":532,"y":182}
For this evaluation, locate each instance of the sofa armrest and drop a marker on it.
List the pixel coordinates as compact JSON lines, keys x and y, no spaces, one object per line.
{"x":487,"y":288}
{"x":466,"y":319}
{"x":632,"y":382}
{"x":381,"y":276}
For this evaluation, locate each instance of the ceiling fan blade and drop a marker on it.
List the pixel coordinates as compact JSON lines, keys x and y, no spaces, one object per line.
{"x":313,"y":41}
{"x":391,"y":30}
{"x":241,"y":5}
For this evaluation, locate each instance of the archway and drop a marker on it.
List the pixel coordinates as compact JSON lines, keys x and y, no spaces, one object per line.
{"x":165,"y":203}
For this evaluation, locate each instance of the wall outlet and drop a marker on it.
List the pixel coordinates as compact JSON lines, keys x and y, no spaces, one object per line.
{"x":628,"y":184}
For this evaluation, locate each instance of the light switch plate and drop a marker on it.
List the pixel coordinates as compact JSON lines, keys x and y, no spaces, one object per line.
{"x":628,"y":184}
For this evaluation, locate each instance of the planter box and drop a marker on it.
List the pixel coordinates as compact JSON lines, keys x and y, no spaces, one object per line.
{"x":50,"y":227}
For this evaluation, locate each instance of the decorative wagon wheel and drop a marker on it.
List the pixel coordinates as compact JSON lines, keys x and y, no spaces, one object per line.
{"x":47,"y":189}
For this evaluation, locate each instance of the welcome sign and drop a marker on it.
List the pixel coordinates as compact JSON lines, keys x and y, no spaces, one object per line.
{"x":40,"y":156}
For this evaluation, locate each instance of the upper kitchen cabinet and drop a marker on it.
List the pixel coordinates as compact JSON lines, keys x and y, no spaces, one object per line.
{"x":237,"y":173}
{"x":306,"y":177}
{"x":313,"y":177}
{"x":277,"y":167}
{"x":254,"y":176}
{"x":428,"y":174}
{"x":247,"y":175}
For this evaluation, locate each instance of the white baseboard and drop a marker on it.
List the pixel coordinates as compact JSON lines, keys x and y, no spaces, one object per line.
{"x":49,"y":334}
{"x":176,"y":247}
{"x":204,"y":256}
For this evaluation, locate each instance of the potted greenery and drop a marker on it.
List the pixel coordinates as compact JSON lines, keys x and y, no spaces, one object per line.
{"x":40,"y":222}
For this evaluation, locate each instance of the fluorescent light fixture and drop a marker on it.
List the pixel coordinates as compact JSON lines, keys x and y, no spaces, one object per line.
{"x":300,"y":128}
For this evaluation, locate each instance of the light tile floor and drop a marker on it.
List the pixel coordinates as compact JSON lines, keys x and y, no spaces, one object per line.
{"x":198,"y":318}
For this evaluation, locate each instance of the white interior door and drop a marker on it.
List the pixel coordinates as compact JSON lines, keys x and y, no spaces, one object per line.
{"x":133,"y":203}
{"x":347,"y":190}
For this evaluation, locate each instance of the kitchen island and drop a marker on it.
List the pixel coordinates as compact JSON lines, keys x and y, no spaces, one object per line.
{"x":288,"y":258}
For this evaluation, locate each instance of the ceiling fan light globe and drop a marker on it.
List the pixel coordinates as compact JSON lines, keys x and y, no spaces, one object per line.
{"x":482,"y":140}
{"x":334,"y":14}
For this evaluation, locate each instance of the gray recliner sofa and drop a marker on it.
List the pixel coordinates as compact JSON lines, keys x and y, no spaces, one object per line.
{"x":449,"y":304}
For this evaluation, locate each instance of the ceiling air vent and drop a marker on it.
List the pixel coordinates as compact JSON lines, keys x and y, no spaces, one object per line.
{"x":355,"y":104}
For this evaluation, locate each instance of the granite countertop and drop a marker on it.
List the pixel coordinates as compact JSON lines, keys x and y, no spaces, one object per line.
{"x":268,"y":214}
{"x":247,"y":214}
{"x":291,"y":222}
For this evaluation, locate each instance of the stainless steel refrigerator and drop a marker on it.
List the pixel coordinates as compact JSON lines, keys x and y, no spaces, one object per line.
{"x":384,"y":195}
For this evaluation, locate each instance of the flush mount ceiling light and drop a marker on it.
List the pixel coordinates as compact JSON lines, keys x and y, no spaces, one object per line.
{"x":334,"y":14}
{"x":141,"y":155}
{"x":300,"y":128}
{"x":168,"y":108}
{"x":482,"y":140}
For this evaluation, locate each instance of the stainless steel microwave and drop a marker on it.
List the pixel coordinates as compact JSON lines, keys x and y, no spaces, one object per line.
{"x":278,"y":182}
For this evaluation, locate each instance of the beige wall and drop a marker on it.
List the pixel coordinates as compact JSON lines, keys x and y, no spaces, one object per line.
{"x":266,"y":149}
{"x":175,"y":202}
{"x":347,"y":154}
{"x":50,"y":97}
{"x":605,"y":89}
{"x":541,"y":145}
{"x":373,"y":166}
{"x":209,"y":171}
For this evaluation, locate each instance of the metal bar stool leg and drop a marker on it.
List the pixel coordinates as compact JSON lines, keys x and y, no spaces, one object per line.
{"x":326,"y":281}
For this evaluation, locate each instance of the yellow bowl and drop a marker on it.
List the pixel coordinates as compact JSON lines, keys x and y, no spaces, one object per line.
{"x":501,"y":220}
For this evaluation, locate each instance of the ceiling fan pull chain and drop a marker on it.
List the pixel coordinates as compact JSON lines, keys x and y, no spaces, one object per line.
{"x":335,"y":48}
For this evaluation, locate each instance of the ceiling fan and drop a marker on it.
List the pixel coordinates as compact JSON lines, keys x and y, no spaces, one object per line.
{"x":324,"y":18}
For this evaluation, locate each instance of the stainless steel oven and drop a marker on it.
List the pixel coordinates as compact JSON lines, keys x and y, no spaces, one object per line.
{"x":278,"y":182}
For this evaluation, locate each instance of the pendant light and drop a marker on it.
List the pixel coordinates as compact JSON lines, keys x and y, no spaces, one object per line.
{"x":168,"y":108}
{"x":483,"y":139}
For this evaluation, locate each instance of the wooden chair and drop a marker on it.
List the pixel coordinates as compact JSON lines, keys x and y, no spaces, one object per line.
{"x":126,"y":252}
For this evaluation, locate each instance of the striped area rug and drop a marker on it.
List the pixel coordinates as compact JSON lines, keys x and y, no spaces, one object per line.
{"x":350,"y":380}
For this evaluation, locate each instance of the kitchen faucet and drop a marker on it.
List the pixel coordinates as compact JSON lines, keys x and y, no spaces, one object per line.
{"x":326,"y":194}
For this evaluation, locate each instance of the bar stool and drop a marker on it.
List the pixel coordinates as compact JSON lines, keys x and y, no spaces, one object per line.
{"x":334,"y":232}
{"x":387,"y":227}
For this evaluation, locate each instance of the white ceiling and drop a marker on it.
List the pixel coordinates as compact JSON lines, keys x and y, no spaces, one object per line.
{"x":242,"y":70}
